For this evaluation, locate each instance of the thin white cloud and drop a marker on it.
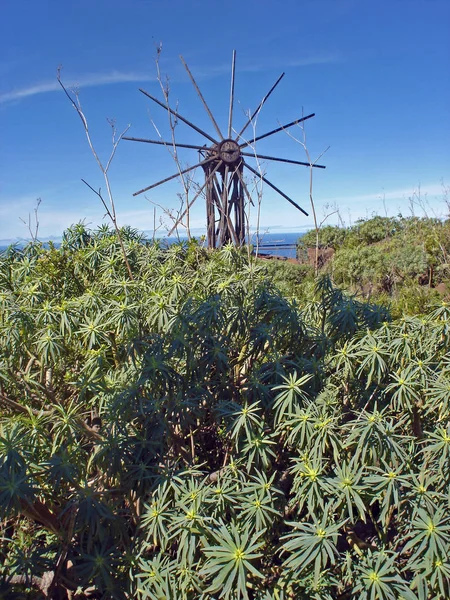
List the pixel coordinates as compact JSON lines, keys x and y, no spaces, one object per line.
{"x":89,"y":80}
{"x":324,"y":59}
{"x":99,"y":79}
{"x":399,"y":194}
{"x":292,"y":63}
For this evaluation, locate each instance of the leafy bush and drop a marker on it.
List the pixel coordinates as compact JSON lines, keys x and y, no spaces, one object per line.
{"x":194,"y":434}
{"x":364,"y":232}
{"x":413,"y":297}
{"x":385,"y":258}
{"x":383,"y":265}
{"x":330,"y":236}
{"x":294,"y":280}
{"x":376,"y":229}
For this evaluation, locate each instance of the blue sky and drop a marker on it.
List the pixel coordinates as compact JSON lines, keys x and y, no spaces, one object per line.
{"x":375,"y":73}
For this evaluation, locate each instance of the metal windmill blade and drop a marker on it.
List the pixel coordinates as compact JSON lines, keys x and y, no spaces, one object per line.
{"x":223,"y":163}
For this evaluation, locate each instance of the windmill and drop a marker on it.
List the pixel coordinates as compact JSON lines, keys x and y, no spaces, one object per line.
{"x":223,"y":163}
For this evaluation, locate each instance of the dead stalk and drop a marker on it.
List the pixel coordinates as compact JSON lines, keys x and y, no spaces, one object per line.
{"x":186,"y":180}
{"x":109,"y":208}
{"x":317,"y":225}
{"x":33,"y":229}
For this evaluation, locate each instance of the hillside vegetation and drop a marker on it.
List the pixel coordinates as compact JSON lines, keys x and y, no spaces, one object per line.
{"x":196,"y":433}
{"x":396,"y":260}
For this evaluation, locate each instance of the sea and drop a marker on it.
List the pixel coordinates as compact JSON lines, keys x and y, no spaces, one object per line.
{"x":277,"y":244}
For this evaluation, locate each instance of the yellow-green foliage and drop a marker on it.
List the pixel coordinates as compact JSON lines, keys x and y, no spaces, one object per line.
{"x":195,"y":434}
{"x":387,"y":258}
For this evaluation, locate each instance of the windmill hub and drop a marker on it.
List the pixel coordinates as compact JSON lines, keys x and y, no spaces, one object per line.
{"x":229,"y":151}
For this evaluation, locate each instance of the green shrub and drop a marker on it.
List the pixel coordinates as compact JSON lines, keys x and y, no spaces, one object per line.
{"x":380,"y":257}
{"x":194,"y":434}
{"x":413,"y":298}
{"x":330,"y":236}
{"x":376,"y":229}
{"x":379,"y":263}
{"x":294,"y":280}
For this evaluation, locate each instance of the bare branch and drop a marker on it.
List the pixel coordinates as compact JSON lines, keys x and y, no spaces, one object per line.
{"x":312,"y":164}
{"x":33,"y":234}
{"x":111,"y":210}
{"x":115,"y":144}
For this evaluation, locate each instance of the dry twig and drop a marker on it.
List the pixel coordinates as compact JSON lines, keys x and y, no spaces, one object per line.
{"x":109,"y":206}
